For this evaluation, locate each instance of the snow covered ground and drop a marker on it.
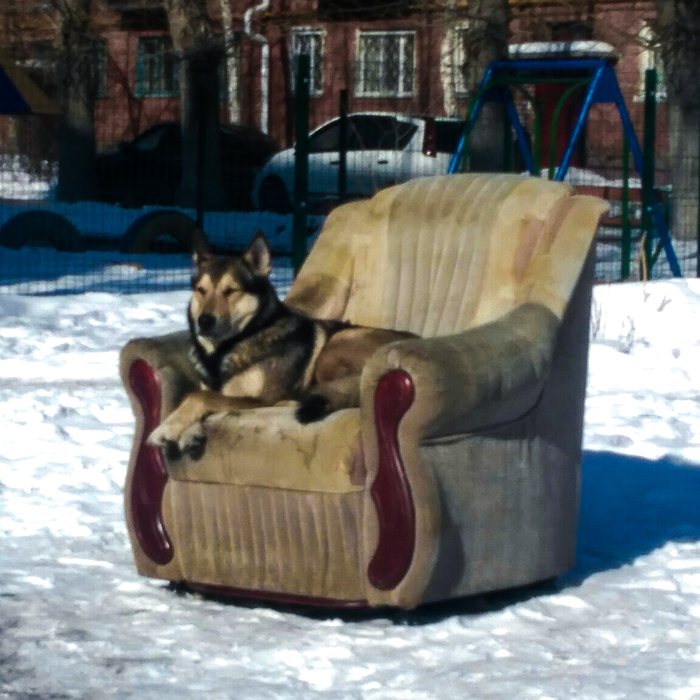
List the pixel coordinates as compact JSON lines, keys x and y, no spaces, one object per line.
{"x":77,"y":622}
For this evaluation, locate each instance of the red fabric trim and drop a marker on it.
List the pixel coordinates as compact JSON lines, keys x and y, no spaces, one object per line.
{"x":391,"y":490}
{"x":150,"y":476}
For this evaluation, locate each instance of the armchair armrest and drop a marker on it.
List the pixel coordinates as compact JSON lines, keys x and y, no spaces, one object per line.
{"x":479,"y":378}
{"x":424,"y":388}
{"x":156,"y":373}
{"x":168,"y":356}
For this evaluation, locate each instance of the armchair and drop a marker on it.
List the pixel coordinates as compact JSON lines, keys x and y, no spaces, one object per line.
{"x":460,"y":471}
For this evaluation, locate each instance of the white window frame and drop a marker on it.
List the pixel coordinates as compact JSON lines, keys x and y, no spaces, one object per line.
{"x":316,"y":69}
{"x":650,"y":57}
{"x":360,"y":90}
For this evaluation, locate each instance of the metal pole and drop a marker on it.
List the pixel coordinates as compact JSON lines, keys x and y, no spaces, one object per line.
{"x":649,"y":165}
{"x":301,"y":162}
{"x":626,"y":228}
{"x":343,"y":151}
{"x":201,"y":141}
{"x":507,"y":141}
{"x":697,"y":250}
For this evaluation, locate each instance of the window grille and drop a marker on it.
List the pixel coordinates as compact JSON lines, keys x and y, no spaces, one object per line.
{"x":306,"y":41}
{"x":156,"y":67}
{"x":386,"y":64}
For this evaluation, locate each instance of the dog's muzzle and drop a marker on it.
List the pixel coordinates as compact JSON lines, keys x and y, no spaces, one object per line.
{"x":206,"y":324}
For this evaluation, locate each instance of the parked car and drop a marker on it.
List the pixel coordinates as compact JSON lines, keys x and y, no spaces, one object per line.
{"x":382,"y":149}
{"x":148,"y":169}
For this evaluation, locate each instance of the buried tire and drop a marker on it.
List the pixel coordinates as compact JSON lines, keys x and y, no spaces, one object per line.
{"x":41,"y":229}
{"x":143,"y":234}
{"x":274,"y":196}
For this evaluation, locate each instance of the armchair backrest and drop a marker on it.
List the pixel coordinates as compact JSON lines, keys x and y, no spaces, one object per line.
{"x":439,"y":255}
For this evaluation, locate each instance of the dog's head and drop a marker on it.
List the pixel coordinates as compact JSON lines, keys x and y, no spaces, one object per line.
{"x":228,"y":292}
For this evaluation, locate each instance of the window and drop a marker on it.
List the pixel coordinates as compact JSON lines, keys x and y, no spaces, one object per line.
{"x":156,"y":67}
{"x":459,"y":60}
{"x":377,"y":133}
{"x":571,"y":31}
{"x":650,"y":57}
{"x":386,"y":64}
{"x":308,"y":41}
{"x":366,"y":132}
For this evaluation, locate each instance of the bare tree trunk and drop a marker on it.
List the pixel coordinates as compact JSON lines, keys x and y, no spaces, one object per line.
{"x":678,"y":31}
{"x":485,"y":39}
{"x":196,"y":42}
{"x":684,"y":151}
{"x":78,"y":88}
{"x":231,"y":48}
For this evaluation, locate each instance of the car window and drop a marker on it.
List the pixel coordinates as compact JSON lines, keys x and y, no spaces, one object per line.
{"x":447,"y":135}
{"x":326,"y":139}
{"x":372,"y":133}
{"x":149,"y":141}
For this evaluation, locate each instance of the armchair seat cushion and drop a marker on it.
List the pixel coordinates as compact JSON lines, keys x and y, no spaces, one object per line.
{"x":273,"y":450}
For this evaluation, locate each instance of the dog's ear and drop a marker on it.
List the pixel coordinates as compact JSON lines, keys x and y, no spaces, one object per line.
{"x":258,"y":256}
{"x":200,"y":247}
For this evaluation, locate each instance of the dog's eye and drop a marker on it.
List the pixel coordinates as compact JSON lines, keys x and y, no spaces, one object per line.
{"x":228,"y":291}
{"x":200,"y":290}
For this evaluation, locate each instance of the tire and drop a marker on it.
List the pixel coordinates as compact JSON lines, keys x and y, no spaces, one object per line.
{"x":41,"y":229}
{"x":142,"y":235}
{"x":274,"y":196}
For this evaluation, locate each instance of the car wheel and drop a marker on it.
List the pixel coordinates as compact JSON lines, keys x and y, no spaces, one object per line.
{"x":142,"y":236}
{"x":274,"y":196}
{"x":41,"y":229}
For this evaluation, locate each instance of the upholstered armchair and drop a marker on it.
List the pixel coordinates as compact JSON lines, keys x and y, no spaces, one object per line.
{"x":460,"y":471}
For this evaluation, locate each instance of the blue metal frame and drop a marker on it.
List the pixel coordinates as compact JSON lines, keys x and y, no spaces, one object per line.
{"x":603,"y":89}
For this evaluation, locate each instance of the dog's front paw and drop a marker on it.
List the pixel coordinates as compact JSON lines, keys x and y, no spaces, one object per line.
{"x":313,"y":408}
{"x":193,"y":442}
{"x":177,"y":440}
{"x":165,"y":434}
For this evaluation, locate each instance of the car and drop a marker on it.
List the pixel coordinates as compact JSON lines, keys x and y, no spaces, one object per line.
{"x":382,"y":149}
{"x":148,"y":169}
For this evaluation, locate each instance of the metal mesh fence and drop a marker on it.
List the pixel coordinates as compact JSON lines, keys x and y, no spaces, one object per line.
{"x":405,"y":76}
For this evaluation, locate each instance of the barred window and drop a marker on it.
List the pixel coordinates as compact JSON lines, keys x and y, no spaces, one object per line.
{"x":386,"y":64}
{"x":308,"y":41}
{"x":459,"y":61}
{"x":156,"y":67}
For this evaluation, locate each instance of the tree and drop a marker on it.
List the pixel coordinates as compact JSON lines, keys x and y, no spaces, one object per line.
{"x":201,"y":51}
{"x":482,"y":38}
{"x":677,"y":28}
{"x":231,"y":47}
{"x":78,"y":50}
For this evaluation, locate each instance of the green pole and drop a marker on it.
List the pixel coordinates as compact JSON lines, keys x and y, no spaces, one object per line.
{"x":343,"y":152}
{"x":507,"y":142}
{"x":626,"y":228}
{"x":301,"y":163}
{"x":697,"y":251}
{"x":649,"y":164}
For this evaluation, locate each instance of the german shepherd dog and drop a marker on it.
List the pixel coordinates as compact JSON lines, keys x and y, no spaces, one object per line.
{"x":252,"y":350}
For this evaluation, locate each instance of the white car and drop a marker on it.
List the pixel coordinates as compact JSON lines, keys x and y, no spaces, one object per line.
{"x":382,"y":149}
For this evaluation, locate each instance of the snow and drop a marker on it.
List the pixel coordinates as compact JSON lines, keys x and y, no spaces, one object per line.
{"x":76,"y":621}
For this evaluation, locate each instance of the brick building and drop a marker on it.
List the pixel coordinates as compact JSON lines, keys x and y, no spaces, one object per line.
{"x":398,"y":56}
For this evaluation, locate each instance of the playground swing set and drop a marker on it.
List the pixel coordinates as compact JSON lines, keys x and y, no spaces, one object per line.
{"x":592,"y":81}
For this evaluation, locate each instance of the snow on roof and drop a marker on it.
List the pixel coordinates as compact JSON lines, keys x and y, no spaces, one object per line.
{"x":562,"y":49}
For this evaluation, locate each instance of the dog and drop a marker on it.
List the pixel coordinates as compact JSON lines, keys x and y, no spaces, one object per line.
{"x":252,"y":350}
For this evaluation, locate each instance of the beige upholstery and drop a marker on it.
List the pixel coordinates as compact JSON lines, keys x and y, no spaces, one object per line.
{"x":488,"y":270}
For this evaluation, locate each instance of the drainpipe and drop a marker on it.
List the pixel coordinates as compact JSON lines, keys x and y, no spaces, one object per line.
{"x":264,"y":61}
